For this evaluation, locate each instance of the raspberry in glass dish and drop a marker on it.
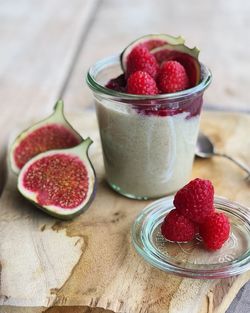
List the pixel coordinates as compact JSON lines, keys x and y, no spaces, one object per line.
{"x":195,"y":200}
{"x":215,"y":231}
{"x":194,"y":214}
{"x":177,"y":227}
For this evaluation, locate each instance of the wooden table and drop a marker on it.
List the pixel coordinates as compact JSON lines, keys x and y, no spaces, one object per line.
{"x":47,"y":46}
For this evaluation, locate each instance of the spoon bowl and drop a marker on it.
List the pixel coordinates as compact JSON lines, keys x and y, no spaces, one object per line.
{"x":206,"y":149}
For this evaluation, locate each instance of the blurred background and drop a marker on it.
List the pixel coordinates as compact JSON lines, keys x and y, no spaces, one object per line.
{"x":47,"y":47}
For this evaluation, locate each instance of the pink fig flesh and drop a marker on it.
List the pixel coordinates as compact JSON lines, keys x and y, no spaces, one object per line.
{"x":48,"y":137}
{"x":154,"y":43}
{"x":60,"y":180}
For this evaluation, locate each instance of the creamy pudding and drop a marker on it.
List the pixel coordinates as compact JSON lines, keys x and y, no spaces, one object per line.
{"x":146,"y":155}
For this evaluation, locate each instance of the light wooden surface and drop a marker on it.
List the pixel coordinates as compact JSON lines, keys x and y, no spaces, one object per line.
{"x":46,"y":48}
{"x":90,"y":261}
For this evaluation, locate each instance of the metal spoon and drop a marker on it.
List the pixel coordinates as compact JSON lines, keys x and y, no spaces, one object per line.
{"x":205,"y":149}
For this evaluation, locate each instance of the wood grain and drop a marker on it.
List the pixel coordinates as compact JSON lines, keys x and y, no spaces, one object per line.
{"x":105,"y":270}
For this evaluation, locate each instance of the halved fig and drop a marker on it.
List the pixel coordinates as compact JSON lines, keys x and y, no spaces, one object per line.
{"x":53,"y":132}
{"x":60,"y":182}
{"x":151,"y":41}
{"x":184,"y":55}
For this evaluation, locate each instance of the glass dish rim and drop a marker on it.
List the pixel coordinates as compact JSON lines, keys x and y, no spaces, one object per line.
{"x":116,"y":95}
{"x":237,"y":268}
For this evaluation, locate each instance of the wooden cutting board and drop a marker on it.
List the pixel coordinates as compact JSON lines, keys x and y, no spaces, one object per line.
{"x":47,"y":264}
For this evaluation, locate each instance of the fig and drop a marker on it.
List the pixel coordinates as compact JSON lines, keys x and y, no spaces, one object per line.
{"x":53,"y":132}
{"x":59,"y":182}
{"x":184,"y":55}
{"x":151,"y":41}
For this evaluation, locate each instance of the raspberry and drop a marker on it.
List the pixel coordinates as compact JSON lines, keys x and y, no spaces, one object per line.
{"x":177,"y":227}
{"x":172,"y":77}
{"x":140,"y":59}
{"x":195,"y":200}
{"x":141,"y":83}
{"x":215,"y":231}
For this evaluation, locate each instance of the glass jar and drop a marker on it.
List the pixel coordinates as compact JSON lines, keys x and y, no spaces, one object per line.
{"x":148,"y":142}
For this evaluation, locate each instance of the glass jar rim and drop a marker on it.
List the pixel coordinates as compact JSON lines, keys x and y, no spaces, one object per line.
{"x":113,"y":94}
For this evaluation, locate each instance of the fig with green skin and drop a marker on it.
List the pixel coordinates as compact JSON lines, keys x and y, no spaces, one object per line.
{"x":184,"y":55}
{"x":60,"y":182}
{"x":53,"y":132}
{"x":151,"y":41}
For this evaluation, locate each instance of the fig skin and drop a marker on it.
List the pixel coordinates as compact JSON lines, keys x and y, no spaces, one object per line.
{"x":151,"y":41}
{"x":166,"y":48}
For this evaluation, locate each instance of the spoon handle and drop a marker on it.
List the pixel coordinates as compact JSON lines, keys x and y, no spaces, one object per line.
{"x":239,"y":163}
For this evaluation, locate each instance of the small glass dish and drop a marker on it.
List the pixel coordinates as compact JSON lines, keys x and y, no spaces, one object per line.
{"x":191,"y":259}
